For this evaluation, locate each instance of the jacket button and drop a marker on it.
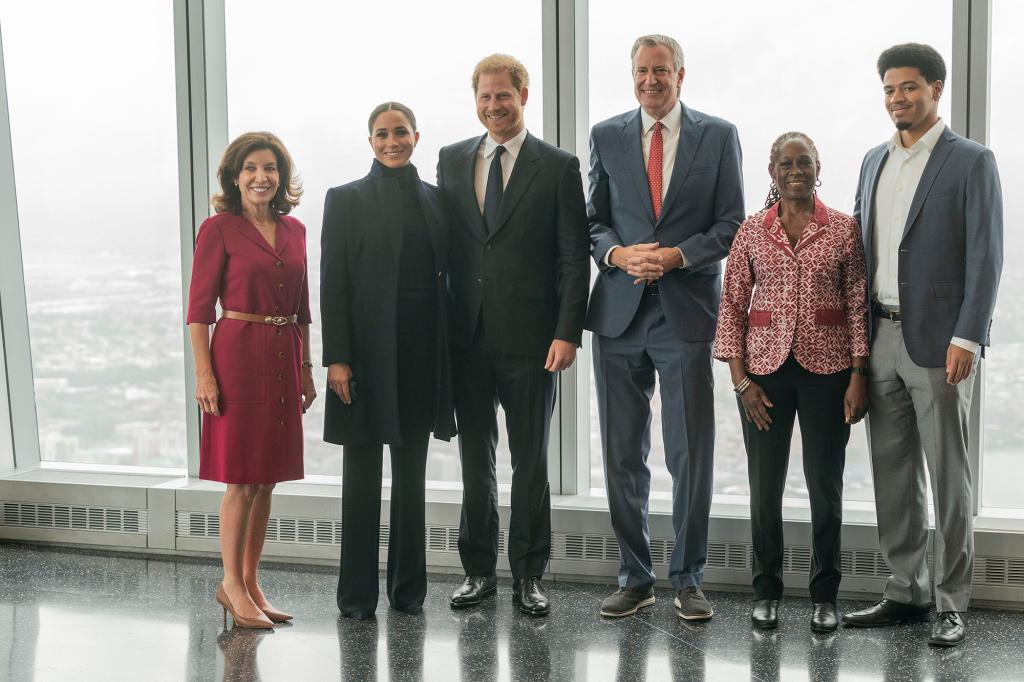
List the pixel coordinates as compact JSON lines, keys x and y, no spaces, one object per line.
{"x":280,"y":353}
{"x":479,"y":278}
{"x":280,"y":422}
{"x":440,"y":273}
{"x":280,"y":376}
{"x":280,"y":286}
{"x":488,"y":247}
{"x":279,"y":264}
{"x":282,"y":401}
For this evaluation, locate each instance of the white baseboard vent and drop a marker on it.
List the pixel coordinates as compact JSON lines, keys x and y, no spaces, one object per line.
{"x":74,"y":517}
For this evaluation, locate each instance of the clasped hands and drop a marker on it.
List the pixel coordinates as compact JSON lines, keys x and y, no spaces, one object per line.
{"x":646,"y":262}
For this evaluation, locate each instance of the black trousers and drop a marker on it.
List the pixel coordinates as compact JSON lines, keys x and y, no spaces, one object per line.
{"x":361,"y":482}
{"x":817,"y":399}
{"x":483,"y":378}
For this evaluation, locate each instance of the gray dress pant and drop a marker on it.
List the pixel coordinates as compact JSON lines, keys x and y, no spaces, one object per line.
{"x":917,"y":421}
{"x":624,"y":370}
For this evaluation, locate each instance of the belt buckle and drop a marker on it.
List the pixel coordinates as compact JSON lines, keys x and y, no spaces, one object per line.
{"x":277,"y":320}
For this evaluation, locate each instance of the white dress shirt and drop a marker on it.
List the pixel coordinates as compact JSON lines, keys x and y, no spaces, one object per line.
{"x":671,"y":126}
{"x":484,"y":156}
{"x":897,"y":185}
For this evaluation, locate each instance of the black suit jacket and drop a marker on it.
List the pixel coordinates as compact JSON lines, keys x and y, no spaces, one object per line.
{"x":361,"y":245}
{"x":529,"y":277}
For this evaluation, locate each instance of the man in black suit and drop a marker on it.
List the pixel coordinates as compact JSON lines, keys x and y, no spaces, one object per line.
{"x":519,"y":276}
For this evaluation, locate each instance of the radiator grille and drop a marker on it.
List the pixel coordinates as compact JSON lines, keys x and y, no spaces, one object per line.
{"x":74,"y":517}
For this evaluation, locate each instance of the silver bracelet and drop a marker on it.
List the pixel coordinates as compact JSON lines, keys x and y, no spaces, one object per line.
{"x":742,"y":386}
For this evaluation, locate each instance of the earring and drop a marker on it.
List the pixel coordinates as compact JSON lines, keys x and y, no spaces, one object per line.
{"x":818,"y":183}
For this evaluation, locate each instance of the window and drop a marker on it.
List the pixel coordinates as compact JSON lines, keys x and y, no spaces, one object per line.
{"x":1004,"y":375}
{"x":781,"y":68}
{"x":314,"y":84}
{"x":95,"y":158}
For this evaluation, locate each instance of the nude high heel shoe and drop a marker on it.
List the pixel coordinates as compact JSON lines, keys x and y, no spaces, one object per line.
{"x":275,"y":615}
{"x":261,"y":622}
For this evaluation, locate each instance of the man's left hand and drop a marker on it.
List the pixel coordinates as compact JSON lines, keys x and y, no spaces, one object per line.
{"x":560,"y":355}
{"x":656,"y":263}
{"x":959,"y":362}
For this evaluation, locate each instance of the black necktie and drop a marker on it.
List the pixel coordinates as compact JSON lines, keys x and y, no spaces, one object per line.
{"x":492,"y":194}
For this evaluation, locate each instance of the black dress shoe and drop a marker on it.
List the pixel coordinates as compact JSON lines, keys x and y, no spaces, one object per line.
{"x":824,"y":618}
{"x":474,"y":589}
{"x":529,"y":595}
{"x":949,"y":629}
{"x":886,"y":612}
{"x":765,"y":613}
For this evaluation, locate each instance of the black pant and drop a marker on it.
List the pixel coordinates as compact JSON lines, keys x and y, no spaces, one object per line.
{"x":817,"y":399}
{"x":361,"y":482}
{"x":483,"y":377}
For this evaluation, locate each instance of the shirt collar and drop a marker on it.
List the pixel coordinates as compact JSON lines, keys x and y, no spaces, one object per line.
{"x":672,"y":120}
{"x":512,"y":147}
{"x":927,"y":141}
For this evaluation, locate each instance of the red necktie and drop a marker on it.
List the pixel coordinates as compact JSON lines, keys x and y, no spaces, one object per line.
{"x":654,"y":169}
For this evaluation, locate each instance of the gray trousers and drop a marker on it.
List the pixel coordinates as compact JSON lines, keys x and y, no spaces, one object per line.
{"x":624,"y":370}
{"x":917,"y":420}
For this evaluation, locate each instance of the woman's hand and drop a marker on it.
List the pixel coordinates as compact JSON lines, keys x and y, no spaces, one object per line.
{"x":855,"y":402}
{"x":308,"y":388}
{"x":207,"y":394}
{"x":755,"y":405}
{"x":339,"y":378}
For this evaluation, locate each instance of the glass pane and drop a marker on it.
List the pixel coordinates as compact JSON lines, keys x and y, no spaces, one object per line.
{"x":1004,"y":373}
{"x":329,"y":66}
{"x":756,"y":78}
{"x":95,"y":158}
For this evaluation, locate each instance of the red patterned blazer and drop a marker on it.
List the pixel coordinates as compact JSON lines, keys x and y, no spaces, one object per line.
{"x":809,"y":299}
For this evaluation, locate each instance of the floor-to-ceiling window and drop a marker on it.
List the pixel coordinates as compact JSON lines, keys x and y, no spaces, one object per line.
{"x":92,"y":107}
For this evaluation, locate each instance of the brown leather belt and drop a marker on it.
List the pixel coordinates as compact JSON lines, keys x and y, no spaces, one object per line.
{"x":276,"y":320}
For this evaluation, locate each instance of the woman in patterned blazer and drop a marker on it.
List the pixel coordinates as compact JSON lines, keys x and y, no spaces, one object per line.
{"x":793,"y":329}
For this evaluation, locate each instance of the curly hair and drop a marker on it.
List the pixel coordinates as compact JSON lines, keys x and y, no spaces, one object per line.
{"x":924,"y":58}
{"x":776,"y":151}
{"x":230,"y":197}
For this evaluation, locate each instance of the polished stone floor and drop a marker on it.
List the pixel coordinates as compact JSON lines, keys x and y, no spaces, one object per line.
{"x":80,"y":615}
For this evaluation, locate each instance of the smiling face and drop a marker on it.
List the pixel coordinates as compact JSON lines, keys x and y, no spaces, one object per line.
{"x":499,"y":106}
{"x":258,"y":180}
{"x":795,"y":171}
{"x":656,"y":82}
{"x":393,"y":138}
{"x":912,"y":102}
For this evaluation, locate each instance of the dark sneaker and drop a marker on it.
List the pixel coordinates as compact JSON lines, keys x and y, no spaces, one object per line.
{"x":626,"y":601}
{"x":691,"y":604}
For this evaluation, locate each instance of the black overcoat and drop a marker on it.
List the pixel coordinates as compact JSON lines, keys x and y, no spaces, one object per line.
{"x":361,"y":245}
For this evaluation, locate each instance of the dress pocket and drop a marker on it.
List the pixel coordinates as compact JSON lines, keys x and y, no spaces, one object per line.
{"x":830,"y":317}
{"x":759,"y":318}
{"x":238,"y":353}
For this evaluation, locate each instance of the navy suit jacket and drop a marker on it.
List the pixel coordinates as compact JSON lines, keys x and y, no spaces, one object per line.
{"x":700,"y":215}
{"x":951,"y":254}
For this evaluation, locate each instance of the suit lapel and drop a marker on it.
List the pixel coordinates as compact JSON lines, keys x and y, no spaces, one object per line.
{"x":874,"y":172}
{"x":632,"y":133}
{"x":526,"y":166}
{"x":931,"y":171}
{"x":388,"y":201}
{"x":691,"y":130}
{"x":282,"y":236}
{"x":469,"y":204}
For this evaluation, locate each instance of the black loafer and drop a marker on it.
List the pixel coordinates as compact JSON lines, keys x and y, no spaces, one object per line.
{"x":949,"y":629}
{"x":824,"y":618}
{"x":473,"y":590}
{"x":765,"y":614}
{"x":529,"y":595}
{"x":886,"y":612}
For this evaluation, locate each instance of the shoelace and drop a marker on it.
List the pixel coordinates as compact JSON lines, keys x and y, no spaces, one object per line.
{"x":947,"y":616}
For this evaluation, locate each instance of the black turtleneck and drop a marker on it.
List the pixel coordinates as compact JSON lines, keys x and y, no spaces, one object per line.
{"x":416,"y":263}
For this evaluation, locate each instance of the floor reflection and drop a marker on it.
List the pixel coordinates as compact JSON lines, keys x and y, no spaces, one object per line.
{"x":69,"y":615}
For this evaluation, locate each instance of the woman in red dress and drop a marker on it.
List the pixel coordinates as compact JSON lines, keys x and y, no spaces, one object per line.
{"x":254,"y":377}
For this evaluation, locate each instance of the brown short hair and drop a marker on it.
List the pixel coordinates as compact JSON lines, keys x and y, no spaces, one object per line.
{"x":230,"y":198}
{"x":503,"y":63}
{"x":391,"y":106}
{"x":654,"y":40}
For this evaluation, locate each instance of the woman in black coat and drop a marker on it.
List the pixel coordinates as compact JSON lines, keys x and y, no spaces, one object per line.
{"x":383,"y":300}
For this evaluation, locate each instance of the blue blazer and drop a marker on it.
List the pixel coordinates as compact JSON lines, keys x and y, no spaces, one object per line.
{"x":951,"y":254}
{"x":702,"y":210}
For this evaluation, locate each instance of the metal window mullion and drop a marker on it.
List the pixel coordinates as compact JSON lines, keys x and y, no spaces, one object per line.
{"x":19,"y":427}
{"x":201,"y":95}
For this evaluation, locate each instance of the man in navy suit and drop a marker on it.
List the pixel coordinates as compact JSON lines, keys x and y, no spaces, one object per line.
{"x":931,"y":213}
{"x":518,"y":278}
{"x":666,"y":199}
